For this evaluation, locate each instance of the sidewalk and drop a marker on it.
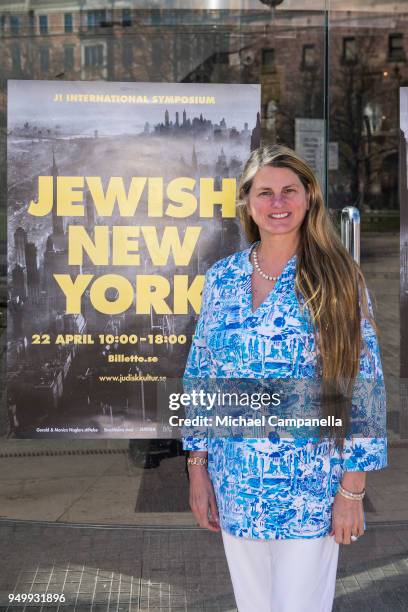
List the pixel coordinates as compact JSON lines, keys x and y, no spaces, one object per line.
{"x":96,"y":482}
{"x":174,"y":570}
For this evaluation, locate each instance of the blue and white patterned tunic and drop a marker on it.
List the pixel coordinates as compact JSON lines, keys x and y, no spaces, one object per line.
{"x":271,"y":488}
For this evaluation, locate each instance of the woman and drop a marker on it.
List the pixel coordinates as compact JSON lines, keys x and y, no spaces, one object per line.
{"x":292,"y":305}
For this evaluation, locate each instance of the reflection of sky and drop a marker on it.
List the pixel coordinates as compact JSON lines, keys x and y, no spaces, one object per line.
{"x":33,"y":101}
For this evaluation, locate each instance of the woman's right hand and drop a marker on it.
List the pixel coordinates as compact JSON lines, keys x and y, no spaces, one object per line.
{"x":202,"y":498}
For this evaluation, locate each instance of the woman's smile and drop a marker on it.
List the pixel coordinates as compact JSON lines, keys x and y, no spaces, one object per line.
{"x":279,"y":215}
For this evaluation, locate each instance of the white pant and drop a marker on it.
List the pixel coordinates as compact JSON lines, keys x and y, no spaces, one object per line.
{"x":282,"y":575}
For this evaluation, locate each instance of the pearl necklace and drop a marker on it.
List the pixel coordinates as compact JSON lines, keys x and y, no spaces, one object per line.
{"x":258,"y":268}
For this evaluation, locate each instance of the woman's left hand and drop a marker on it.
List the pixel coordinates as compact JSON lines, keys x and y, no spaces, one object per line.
{"x":347,"y":519}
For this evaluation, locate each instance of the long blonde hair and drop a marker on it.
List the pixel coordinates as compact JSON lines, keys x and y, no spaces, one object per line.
{"x":328,"y":281}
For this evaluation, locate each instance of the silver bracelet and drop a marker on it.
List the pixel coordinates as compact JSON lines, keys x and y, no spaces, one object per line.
{"x":350,"y":495}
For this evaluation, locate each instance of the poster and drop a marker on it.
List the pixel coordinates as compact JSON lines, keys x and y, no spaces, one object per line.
{"x":120,"y":197}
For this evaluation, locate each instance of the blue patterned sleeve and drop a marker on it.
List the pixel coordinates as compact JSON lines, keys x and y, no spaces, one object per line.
{"x":197,"y":366}
{"x":368,"y":450}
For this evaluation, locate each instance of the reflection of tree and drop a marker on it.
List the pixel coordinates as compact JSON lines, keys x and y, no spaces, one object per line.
{"x":306,"y":102}
{"x":357,"y":95}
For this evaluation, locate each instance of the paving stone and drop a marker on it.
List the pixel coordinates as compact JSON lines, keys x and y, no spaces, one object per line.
{"x":373,"y":575}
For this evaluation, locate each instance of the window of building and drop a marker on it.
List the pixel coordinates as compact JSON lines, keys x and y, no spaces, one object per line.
{"x":126,"y":17}
{"x":94,"y":56}
{"x":127,"y":54}
{"x":396,"y":51}
{"x":308,"y":56}
{"x":96,"y":18}
{"x":268,"y":59}
{"x":68,"y":24}
{"x":155,"y":17}
{"x":69,"y":57}
{"x":43,"y":20}
{"x":31,"y":21}
{"x":349,"y":50}
{"x":44,"y":59}
{"x":14,"y":25}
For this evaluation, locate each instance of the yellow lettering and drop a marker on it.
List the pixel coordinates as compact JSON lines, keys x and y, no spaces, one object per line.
{"x":183,"y":294}
{"x":73,"y":290}
{"x":121,"y":302}
{"x":176,"y":193}
{"x":151,"y":291}
{"x":67,"y":196}
{"x":45,"y":198}
{"x":80,"y":241}
{"x":160,"y":253}
{"x":115,"y":192}
{"x":225,"y":197}
{"x":155,"y":197}
{"x":123,"y":247}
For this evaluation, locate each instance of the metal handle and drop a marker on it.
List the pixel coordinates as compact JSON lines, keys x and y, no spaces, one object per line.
{"x":350,"y":231}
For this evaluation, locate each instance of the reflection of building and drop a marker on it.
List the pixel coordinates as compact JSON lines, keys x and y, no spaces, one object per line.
{"x":15,"y":322}
{"x":37,"y":385}
{"x":89,"y":212}
{"x":200,"y":127}
{"x":57,"y":220}
{"x":18,"y":283}
{"x":367,"y":48}
{"x":20,"y":241}
{"x":33,"y":274}
{"x":32,"y":278}
{"x":69,"y":324}
{"x":37,"y":390}
{"x":54,"y":263}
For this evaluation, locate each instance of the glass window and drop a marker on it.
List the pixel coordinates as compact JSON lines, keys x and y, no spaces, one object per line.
{"x":126,"y":17}
{"x":68,"y":24}
{"x":31,"y":21}
{"x":283,"y":51}
{"x":96,"y":18}
{"x":363,"y":98}
{"x":69,"y":57}
{"x":14,"y":25}
{"x":308,"y":57}
{"x":268,"y":59}
{"x":94,"y":56}
{"x":349,"y":50}
{"x":396,"y":51}
{"x":43,"y":21}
